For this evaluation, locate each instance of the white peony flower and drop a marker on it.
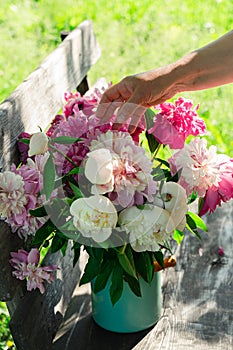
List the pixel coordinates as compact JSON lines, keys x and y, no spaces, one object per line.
{"x":12,"y":194}
{"x":99,"y":168}
{"x":147,"y":227}
{"x":131,"y":178}
{"x":175,"y":201}
{"x":38,"y":144}
{"x":94,"y":217}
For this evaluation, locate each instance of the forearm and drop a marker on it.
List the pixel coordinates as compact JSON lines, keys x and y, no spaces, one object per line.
{"x":207,"y":67}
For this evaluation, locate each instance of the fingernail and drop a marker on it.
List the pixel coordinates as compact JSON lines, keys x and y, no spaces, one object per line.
{"x":131,"y":129}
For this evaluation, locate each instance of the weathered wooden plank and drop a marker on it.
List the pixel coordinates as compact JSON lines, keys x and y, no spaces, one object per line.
{"x":200,"y":293}
{"x":197,"y":306}
{"x":39,"y":97}
{"x":9,"y":242}
{"x":34,"y":317}
{"x":34,"y":103}
{"x":37,"y":317}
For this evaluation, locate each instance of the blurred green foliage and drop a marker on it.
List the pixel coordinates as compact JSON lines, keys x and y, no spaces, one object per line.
{"x":6,"y":341}
{"x":134,"y":35}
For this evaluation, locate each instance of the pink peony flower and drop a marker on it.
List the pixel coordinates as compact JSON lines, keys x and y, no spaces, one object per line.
{"x":80,"y":126}
{"x":131,"y":170}
{"x":22,"y":221}
{"x":26,"y":266}
{"x":205,"y":172}
{"x":55,"y":122}
{"x":75,"y":103}
{"x":23,"y":147}
{"x":176,"y":122}
{"x":199,"y":166}
{"x":12,"y":195}
{"x":223,"y":192}
{"x":137,"y":132}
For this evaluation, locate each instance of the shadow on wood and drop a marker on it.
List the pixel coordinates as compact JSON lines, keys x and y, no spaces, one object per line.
{"x":197,"y":301}
{"x":34,"y":317}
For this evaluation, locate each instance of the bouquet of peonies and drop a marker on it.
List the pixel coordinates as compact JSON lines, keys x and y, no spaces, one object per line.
{"x":122,"y":198}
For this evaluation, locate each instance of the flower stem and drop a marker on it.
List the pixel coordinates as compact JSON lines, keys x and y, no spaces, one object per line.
{"x":122,"y":251}
{"x":63,"y":154}
{"x":156,"y":152}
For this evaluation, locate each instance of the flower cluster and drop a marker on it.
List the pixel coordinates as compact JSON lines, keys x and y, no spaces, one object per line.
{"x":110,"y":192}
{"x":26,"y":267}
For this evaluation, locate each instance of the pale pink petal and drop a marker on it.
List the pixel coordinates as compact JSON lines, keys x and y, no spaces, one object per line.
{"x":34,"y":256}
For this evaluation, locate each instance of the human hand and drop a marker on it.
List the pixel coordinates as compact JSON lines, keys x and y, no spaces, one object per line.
{"x":133,"y":95}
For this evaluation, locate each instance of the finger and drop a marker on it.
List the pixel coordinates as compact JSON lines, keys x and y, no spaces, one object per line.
{"x":110,"y":108}
{"x":116,"y":93}
{"x":124,"y":113}
{"x":110,"y":95}
{"x":136,"y":117}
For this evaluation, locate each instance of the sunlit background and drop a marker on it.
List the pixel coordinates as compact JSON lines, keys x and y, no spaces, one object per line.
{"x":134,"y":36}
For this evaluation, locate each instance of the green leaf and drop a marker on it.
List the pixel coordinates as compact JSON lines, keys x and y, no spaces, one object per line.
{"x":44,"y":232}
{"x":91,"y":271}
{"x":39,"y":212}
{"x":64,"y":247}
{"x":76,"y":248}
{"x":200,"y":204}
{"x":144,"y":265}
{"x":73,"y":236}
{"x":95,"y":253}
{"x":178,"y":236}
{"x":175,"y":177}
{"x":134,"y":285}
{"x":116,"y":287}
{"x":162,"y":161}
{"x":149,"y":116}
{"x":68,"y":227}
{"x":193,"y":231}
{"x":76,"y":170}
{"x":192,"y":197}
{"x":26,"y":141}
{"x":159,"y":258}
{"x":162,"y":174}
{"x":76,"y":190}
{"x":152,"y":142}
{"x":65,"y":140}
{"x":140,"y":206}
{"x":126,"y":260}
{"x":57,"y":242}
{"x":103,"y":276}
{"x":191,"y":223}
{"x":198,"y":221}
{"x":49,"y":176}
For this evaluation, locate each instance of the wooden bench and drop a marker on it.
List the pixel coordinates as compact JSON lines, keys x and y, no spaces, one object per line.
{"x":35,"y":318}
{"x":197,"y":301}
{"x":197,"y":294}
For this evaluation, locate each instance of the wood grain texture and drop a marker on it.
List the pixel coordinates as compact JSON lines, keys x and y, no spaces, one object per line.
{"x":40,"y":96}
{"x":197,"y":301}
{"x":37,"y":317}
{"x":9,"y":285}
{"x":34,"y":317}
{"x":34,"y":103}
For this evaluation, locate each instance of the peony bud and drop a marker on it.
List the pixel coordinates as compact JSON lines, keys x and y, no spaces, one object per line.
{"x":38,"y":144}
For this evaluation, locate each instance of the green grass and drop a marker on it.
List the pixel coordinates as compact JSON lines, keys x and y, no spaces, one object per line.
{"x":134,"y":35}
